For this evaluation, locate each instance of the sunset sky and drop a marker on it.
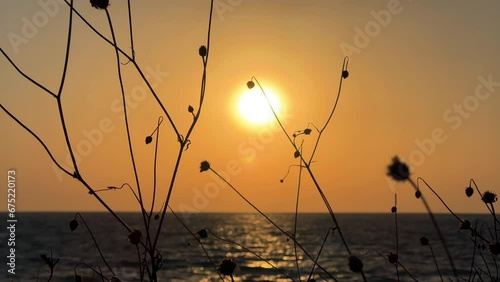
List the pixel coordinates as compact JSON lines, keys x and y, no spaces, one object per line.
{"x":424,"y":84}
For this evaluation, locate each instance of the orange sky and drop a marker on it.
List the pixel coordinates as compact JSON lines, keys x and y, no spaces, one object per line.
{"x":418,"y":70}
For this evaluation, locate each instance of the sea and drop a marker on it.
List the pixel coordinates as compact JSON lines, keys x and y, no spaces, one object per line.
{"x":259,"y":249}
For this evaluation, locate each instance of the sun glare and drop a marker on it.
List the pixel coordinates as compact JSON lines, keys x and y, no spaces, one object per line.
{"x":254,"y":107}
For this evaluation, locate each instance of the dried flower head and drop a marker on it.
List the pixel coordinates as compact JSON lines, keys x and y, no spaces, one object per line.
{"x":489,"y":197}
{"x":469,"y":191}
{"x":135,"y":237}
{"x":494,"y":248}
{"x":157,"y":216}
{"x":250,"y":84}
{"x":398,"y":170}
{"x":345,"y":74}
{"x":393,"y":258}
{"x":355,"y":264}
{"x":190,"y":109}
{"x":202,"y":51}
{"x":465,"y":224}
{"x":226,"y":267}
{"x":307,"y":131}
{"x":204,"y":166}
{"x":99,"y":4}
{"x":418,"y":194}
{"x":149,"y":139}
{"x":73,"y":225}
{"x":394,"y":209}
{"x":202,"y":233}
{"x":424,"y":241}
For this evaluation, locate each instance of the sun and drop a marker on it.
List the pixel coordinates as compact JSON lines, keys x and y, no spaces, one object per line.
{"x":254,"y":107}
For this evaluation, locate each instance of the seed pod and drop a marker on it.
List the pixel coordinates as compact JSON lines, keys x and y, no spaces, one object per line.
{"x":424,"y":241}
{"x":355,"y":264}
{"x":73,"y":225}
{"x":345,"y":74}
{"x":469,"y":191}
{"x":135,"y":237}
{"x":202,"y":51}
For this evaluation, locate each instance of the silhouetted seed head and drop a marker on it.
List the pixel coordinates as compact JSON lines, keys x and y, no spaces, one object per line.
{"x":149,"y":139}
{"x":424,"y":241}
{"x":469,"y":191}
{"x":355,"y":264}
{"x":202,"y":51}
{"x":398,"y":170}
{"x":307,"y":131}
{"x":345,"y":74}
{"x":73,"y":225}
{"x":78,"y":278}
{"x":250,"y":84}
{"x":494,"y":248}
{"x":226,"y":267}
{"x":204,"y":166}
{"x":202,"y":233}
{"x":99,"y":4}
{"x":115,"y":279}
{"x":393,"y":258}
{"x":135,"y":237}
{"x":296,"y":154}
{"x":489,"y":197}
{"x":394,"y":209}
{"x":465,"y":225}
{"x":190,"y":109}
{"x":281,"y":180}
{"x":418,"y":194}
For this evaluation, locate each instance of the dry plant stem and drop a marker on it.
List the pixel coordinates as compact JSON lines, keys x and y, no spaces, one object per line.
{"x":94,"y":271}
{"x":319,"y":254}
{"x":130,"y":29}
{"x":438,"y":230}
{"x":397,"y":232}
{"x":134,"y":62}
{"x":129,"y":141}
{"x":308,"y":167}
{"x":250,"y":251}
{"x":270,"y":221}
{"x":37,"y":138}
{"x":299,"y":182}
{"x":185,"y":141}
{"x":154,"y":172}
{"x":57,"y":96}
{"x":95,"y":243}
{"x":91,"y":191}
{"x":435,"y":262}
{"x":198,"y":240}
{"x":481,"y":195}
{"x":344,"y":67}
{"x":407,"y":272}
{"x":473,"y":257}
{"x":26,"y":76}
{"x":439,"y":197}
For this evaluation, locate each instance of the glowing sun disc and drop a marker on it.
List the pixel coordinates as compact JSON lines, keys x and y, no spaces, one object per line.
{"x":254,"y":107}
